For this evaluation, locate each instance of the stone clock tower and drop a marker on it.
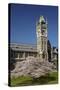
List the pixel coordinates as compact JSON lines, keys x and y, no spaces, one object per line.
{"x":41,"y":31}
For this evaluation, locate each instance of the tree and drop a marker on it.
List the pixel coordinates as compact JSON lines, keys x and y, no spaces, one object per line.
{"x":32,"y":67}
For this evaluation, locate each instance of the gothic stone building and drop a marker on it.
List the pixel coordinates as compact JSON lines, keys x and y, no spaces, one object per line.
{"x":21,"y":51}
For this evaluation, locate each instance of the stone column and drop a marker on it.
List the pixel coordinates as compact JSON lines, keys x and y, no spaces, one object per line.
{"x":24,"y":55}
{"x":18,"y":56}
{"x":13,"y":55}
{"x":28,"y":53}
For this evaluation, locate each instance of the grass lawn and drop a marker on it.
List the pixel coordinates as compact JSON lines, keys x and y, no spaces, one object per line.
{"x":51,"y":78}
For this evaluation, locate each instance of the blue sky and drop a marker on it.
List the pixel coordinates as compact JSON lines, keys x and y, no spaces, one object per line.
{"x":23,"y":23}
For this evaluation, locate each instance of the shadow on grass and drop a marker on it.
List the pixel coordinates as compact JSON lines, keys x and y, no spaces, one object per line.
{"x":37,"y":81}
{"x":44,"y":79}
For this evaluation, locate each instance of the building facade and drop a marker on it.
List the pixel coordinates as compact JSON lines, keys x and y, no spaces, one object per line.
{"x":54,"y":54}
{"x":22,"y":51}
{"x":40,"y":50}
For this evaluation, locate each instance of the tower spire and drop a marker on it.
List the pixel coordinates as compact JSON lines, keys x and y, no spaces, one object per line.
{"x":41,"y":19}
{"x":41,"y":31}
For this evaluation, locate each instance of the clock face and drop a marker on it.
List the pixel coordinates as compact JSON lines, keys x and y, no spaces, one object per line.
{"x":43,"y":25}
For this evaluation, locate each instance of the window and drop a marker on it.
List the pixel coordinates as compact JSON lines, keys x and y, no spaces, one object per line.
{"x":42,"y":31}
{"x":16,"y":55}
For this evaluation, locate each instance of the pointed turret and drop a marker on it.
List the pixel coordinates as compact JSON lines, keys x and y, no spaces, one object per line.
{"x":41,"y":19}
